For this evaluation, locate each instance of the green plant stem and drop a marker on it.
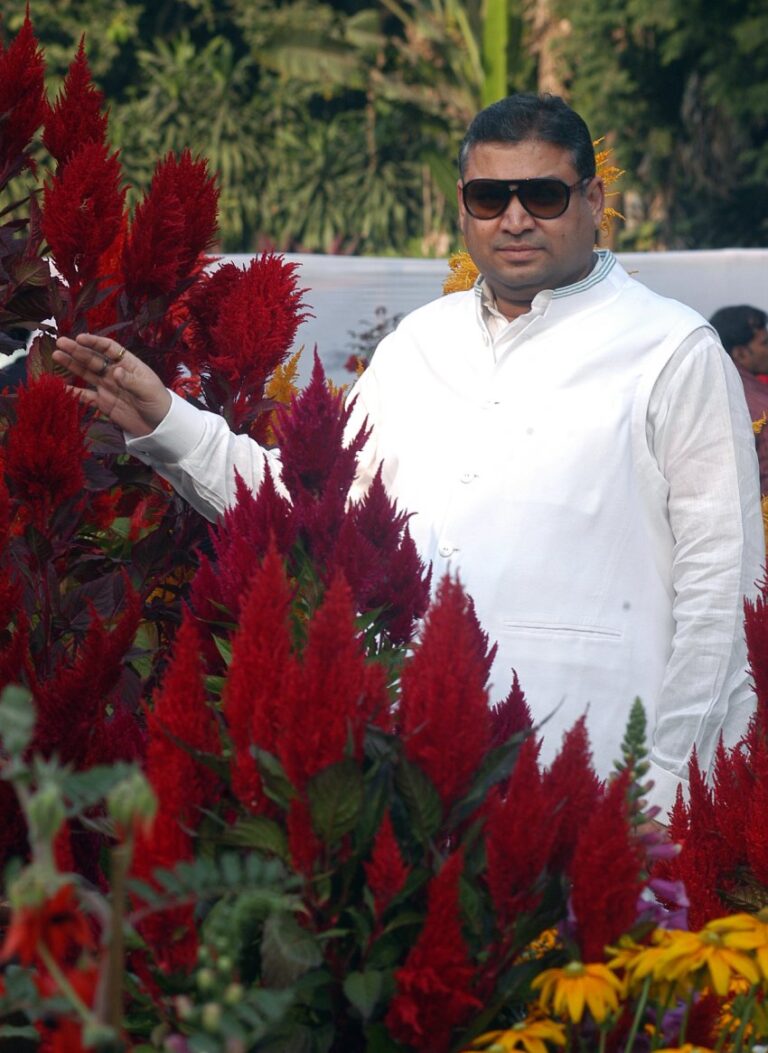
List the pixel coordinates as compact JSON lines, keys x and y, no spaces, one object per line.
{"x":66,"y":988}
{"x":113,"y":986}
{"x":745,"y":1018}
{"x":641,"y":1004}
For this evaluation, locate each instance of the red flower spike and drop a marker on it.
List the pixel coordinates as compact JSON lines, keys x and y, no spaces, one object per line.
{"x":58,"y":924}
{"x":173,"y":224}
{"x":386,"y":872}
{"x":573,"y":790}
{"x":433,"y":986}
{"x":75,"y":118}
{"x":733,"y":781}
{"x":445,"y":722}
{"x":519,"y":837}
{"x":605,"y":872}
{"x":256,"y":324}
{"x":756,"y":630}
{"x":756,"y":826}
{"x":378,"y":558}
{"x":335,"y":697}
{"x":510,"y":717}
{"x":303,"y":843}
{"x":83,"y":212}
{"x":261,"y":671}
{"x":49,"y":419}
{"x":205,"y":300}
{"x":22,"y":100}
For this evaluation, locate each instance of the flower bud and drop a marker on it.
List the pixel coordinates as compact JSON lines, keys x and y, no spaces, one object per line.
{"x":205,"y":979}
{"x":46,"y":812}
{"x":211,"y":1016}
{"x":233,"y":994}
{"x":132,"y":803}
{"x":17,"y":718}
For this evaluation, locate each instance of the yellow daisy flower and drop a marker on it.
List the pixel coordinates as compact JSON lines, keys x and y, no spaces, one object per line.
{"x":529,"y":1035}
{"x":688,"y":1047}
{"x":687,"y":953}
{"x":576,"y":986}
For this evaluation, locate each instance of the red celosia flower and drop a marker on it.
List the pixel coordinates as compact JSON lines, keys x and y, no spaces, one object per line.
{"x":336,"y":695}
{"x":205,"y":300}
{"x":733,"y":781}
{"x":511,"y":716}
{"x":255,"y":321}
{"x":262,"y":670}
{"x":377,"y":556}
{"x":444,"y":714}
{"x":573,"y":790}
{"x":756,"y":825}
{"x":105,"y":314}
{"x":303,"y":843}
{"x":102,"y":508}
{"x":173,"y":224}
{"x":433,"y":986}
{"x":756,"y":630}
{"x":386,"y":872}
{"x":605,"y":872}
{"x":75,"y":117}
{"x":83,"y":212}
{"x":22,"y":99}
{"x":519,"y":835}
{"x":64,"y":1034}
{"x":46,"y":446}
{"x":57,"y":924}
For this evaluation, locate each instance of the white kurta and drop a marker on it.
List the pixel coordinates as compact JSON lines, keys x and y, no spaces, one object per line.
{"x":589,"y":472}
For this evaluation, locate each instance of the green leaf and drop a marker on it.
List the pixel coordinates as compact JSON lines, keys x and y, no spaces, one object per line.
{"x":366,"y":991}
{"x":256,"y":831}
{"x":335,"y":799}
{"x":287,"y":951}
{"x":277,"y":785}
{"x":421,"y":799}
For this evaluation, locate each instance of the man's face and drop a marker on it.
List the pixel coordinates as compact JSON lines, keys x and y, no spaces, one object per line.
{"x":754,"y":355}
{"x":518,"y":254}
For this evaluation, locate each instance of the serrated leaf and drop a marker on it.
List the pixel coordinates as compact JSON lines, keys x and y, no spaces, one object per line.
{"x":277,"y":785}
{"x":83,"y":789}
{"x":256,"y":831}
{"x":335,"y":797}
{"x":421,"y":798}
{"x":287,"y":951}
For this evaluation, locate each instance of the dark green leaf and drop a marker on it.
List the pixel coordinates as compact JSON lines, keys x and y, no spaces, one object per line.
{"x":421,"y":799}
{"x":287,"y":951}
{"x":335,"y":799}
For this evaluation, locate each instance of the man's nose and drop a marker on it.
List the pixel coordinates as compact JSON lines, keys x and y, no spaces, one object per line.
{"x":514,"y":218}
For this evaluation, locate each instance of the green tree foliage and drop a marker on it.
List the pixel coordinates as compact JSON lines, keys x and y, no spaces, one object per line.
{"x":681,"y":89}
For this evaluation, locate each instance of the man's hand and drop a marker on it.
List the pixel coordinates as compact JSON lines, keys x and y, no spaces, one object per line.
{"x":123,"y":388}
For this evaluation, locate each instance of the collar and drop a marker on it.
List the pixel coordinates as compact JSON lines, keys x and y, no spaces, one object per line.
{"x":604,"y":263}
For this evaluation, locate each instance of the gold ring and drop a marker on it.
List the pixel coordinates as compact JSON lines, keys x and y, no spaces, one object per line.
{"x":104,"y":368}
{"x":120,"y":356}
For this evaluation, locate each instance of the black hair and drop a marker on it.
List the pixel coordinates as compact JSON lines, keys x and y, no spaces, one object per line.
{"x":737,"y":325}
{"x":525,"y":116}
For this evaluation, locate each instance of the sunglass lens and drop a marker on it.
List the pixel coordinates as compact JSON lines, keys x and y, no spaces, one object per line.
{"x":486,"y":199}
{"x":544,"y":198}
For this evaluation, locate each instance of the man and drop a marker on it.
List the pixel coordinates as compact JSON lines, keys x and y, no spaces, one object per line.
{"x":574,"y":446}
{"x":742,"y":331}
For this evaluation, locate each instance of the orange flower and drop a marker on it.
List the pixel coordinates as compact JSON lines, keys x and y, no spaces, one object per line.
{"x":56,"y":924}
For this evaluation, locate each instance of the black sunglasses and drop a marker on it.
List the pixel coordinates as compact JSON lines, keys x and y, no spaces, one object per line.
{"x":541,"y":198}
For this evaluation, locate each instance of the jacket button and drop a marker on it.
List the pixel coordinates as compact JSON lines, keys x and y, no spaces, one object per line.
{"x":446,"y":550}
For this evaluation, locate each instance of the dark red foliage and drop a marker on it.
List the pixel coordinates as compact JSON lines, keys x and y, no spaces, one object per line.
{"x":261,"y":674}
{"x":444,"y":717}
{"x":377,"y":556}
{"x":22,"y":100}
{"x":434,"y":993}
{"x":83,"y":212}
{"x":49,"y":420}
{"x":386,"y":872}
{"x":572,"y":789}
{"x":76,"y":116}
{"x":511,"y":716}
{"x":519,"y":838}
{"x":172,"y":226}
{"x":605,"y":872}
{"x":756,"y":630}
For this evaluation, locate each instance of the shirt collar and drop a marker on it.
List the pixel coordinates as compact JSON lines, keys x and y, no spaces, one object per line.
{"x":603,"y":265}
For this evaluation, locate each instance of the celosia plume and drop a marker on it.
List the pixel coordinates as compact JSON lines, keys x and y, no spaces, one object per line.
{"x":756,"y":631}
{"x":511,"y":716}
{"x":83,"y":212}
{"x":434,"y":993}
{"x":76,"y":116}
{"x":22,"y":100}
{"x":573,"y":790}
{"x":444,"y":717}
{"x":174,"y":223}
{"x":385,"y":872}
{"x":49,"y":421}
{"x":605,"y":872}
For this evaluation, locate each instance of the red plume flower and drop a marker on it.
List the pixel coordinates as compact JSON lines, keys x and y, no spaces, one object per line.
{"x":444,"y":714}
{"x":756,"y":630}
{"x":49,"y":421}
{"x":76,"y":117}
{"x":83,"y":212}
{"x":22,"y":100}
{"x":605,"y":872}
{"x":173,"y":224}
{"x":511,"y":716}
{"x":386,"y":872}
{"x":433,"y":986}
{"x":573,"y":790}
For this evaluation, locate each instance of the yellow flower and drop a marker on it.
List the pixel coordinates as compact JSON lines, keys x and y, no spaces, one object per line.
{"x":529,"y":1035}
{"x":546,"y":941}
{"x":463,"y":273}
{"x":759,"y":424}
{"x":281,"y":386}
{"x":685,"y":954}
{"x":575,"y":986}
{"x":687,"y":1048}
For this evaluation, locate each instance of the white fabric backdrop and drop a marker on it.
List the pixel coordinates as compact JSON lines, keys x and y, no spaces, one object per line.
{"x":344,"y":291}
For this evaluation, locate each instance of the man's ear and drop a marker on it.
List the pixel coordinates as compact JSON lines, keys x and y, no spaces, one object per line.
{"x":741,"y":355}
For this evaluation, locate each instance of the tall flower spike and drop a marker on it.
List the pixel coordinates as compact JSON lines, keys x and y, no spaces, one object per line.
{"x":76,"y":116}
{"x":605,"y":872}
{"x":22,"y":100}
{"x":83,"y":212}
{"x":572,"y":788}
{"x":386,"y":872}
{"x":511,"y":716}
{"x":444,"y":716}
{"x":756,"y":630}
{"x":173,"y":224}
{"x":434,"y":993}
